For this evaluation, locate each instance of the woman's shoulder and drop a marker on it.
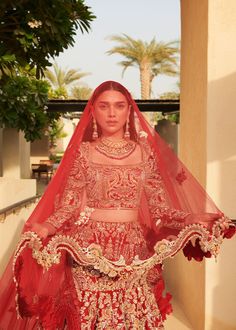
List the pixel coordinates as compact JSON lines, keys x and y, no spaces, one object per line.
{"x":83,"y":150}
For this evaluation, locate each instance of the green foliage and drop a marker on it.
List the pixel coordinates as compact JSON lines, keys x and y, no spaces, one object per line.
{"x":170,"y":96}
{"x":81,"y":92}
{"x":32,"y":31}
{"x":56,"y":132}
{"x":22,"y":105}
{"x":151,"y":58}
{"x":160,"y":56}
{"x":59,"y":78}
{"x":172,"y":117}
{"x":58,"y":94}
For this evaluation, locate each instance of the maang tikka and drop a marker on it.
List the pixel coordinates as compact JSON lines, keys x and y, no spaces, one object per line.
{"x":95,"y":130}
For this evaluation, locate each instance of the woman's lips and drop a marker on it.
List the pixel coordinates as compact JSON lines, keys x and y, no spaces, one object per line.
{"x":111,"y":122}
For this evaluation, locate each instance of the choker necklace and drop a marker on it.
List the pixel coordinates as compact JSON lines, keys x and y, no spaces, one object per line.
{"x":115,"y":149}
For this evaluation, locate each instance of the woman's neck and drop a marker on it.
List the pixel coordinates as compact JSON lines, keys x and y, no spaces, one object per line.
{"x":114,"y":137}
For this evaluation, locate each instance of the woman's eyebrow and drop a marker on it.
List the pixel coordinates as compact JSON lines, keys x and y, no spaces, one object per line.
{"x":117,"y":102}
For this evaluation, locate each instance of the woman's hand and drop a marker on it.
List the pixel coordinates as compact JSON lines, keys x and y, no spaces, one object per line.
{"x":153,"y":275}
{"x":221,"y":221}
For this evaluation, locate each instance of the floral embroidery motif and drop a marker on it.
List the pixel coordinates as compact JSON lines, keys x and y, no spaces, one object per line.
{"x":84,"y":216}
{"x":111,"y":261}
{"x":93,"y":254}
{"x":126,"y":302}
{"x":69,"y":206}
{"x":119,"y":188}
{"x":162,"y":214}
{"x":122,"y":301}
{"x":116,"y":239}
{"x":181,"y":176}
{"x":114,"y":186}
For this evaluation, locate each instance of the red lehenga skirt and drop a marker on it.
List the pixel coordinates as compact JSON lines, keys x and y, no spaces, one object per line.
{"x":86,"y":297}
{"x":132,"y":301}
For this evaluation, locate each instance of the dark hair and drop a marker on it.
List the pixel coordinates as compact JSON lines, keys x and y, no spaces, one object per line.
{"x":110,"y":86}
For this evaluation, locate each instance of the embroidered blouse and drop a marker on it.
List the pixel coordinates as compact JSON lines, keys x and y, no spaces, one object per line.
{"x":115,"y":187}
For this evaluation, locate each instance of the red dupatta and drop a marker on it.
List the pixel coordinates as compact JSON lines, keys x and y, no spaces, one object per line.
{"x":173,"y":209}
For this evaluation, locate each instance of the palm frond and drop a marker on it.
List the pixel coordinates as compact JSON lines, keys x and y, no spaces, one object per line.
{"x":152,"y":58}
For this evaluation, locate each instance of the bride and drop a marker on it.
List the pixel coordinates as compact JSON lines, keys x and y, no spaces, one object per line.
{"x":121,"y":202}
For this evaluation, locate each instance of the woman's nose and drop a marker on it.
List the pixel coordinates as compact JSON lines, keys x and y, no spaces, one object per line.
{"x":111,"y":112}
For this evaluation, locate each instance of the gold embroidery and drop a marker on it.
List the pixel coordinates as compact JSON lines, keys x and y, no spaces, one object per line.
{"x":156,"y":196}
{"x":114,"y":186}
{"x":124,"y":302}
{"x":68,"y":207}
{"x":93,"y":254}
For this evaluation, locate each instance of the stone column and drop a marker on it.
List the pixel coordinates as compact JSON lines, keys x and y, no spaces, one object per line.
{"x":1,"y":147}
{"x":11,"y":154}
{"x":220,"y":286}
{"x":207,"y":290}
{"x":188,"y":282}
{"x":15,"y":183}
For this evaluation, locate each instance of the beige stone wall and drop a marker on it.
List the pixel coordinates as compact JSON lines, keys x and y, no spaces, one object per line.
{"x":207,"y":290}
{"x":187,"y":279}
{"x":24,"y":156}
{"x":221,"y":115}
{"x":15,"y":190}
{"x":10,"y":231}
{"x":15,"y":182}
{"x":39,"y":150}
{"x":220,"y":283}
{"x":1,"y":147}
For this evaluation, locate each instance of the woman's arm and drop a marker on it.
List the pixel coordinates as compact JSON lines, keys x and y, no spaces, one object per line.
{"x":160,"y":211}
{"x":68,"y":206}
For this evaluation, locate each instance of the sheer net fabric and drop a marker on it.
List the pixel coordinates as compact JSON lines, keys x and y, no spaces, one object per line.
{"x":99,"y":274}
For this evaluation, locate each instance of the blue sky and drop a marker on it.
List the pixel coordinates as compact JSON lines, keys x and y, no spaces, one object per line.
{"x":140,"y":19}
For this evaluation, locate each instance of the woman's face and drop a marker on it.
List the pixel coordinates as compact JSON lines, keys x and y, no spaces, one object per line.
{"x":111,"y":111}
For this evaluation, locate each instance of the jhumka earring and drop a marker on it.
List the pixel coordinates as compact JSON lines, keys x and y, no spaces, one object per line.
{"x":95,"y":131}
{"x":127,"y":133}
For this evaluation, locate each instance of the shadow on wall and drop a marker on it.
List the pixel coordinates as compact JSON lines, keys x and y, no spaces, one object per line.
{"x":223,"y":297}
{"x":222,"y":137}
{"x":218,"y":279}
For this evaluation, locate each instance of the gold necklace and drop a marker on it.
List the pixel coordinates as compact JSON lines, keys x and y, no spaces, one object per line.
{"x":115,"y":149}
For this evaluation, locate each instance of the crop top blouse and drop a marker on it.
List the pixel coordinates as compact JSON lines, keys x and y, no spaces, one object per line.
{"x":114,"y":187}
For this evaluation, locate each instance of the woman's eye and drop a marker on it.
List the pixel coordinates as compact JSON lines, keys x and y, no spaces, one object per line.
{"x":120,"y":106}
{"x":102,"y":107}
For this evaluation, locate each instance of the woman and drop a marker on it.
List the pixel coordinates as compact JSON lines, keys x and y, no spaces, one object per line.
{"x":120,"y":203}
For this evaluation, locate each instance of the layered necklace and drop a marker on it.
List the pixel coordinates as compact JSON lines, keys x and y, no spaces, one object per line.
{"x":118,"y":149}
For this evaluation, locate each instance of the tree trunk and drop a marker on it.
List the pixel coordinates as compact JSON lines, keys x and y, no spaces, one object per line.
{"x":145,"y":75}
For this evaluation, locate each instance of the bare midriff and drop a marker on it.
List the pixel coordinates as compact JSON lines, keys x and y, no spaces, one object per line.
{"x":114,"y":215}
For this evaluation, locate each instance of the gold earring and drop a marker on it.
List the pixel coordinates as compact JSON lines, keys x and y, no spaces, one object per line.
{"x":127,"y":133}
{"x":95,"y":131}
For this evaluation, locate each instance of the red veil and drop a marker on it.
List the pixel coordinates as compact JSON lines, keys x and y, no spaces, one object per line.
{"x":172,"y":215}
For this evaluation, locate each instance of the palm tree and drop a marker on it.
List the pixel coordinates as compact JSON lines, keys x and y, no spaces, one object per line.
{"x":152,"y":59}
{"x":61,"y":79}
{"x":81,"y":92}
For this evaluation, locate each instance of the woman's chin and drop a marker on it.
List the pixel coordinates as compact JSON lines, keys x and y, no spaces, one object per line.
{"x":112,"y":131}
